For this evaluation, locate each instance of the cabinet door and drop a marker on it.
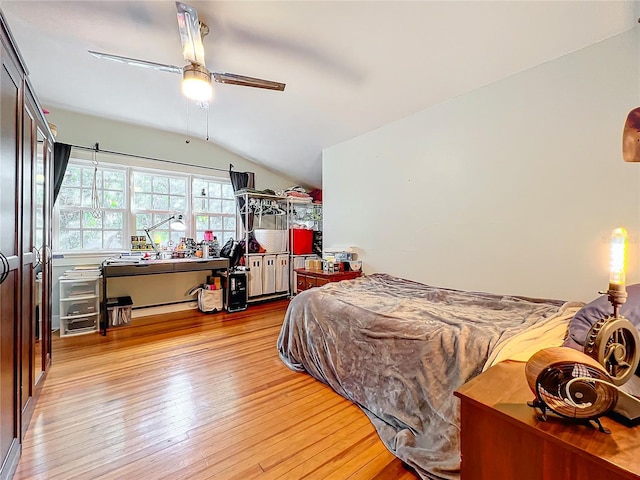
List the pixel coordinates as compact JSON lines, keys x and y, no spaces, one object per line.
{"x":268,"y":274}
{"x":10,"y":90}
{"x":282,"y":273}
{"x":255,"y":275}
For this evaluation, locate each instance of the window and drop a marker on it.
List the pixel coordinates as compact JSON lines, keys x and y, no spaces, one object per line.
{"x":131,"y":199}
{"x":214,"y":209}
{"x":79,"y":226}
{"x":155,"y":199}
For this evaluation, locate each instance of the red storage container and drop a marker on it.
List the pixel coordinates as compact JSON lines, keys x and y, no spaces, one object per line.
{"x":301,"y":241}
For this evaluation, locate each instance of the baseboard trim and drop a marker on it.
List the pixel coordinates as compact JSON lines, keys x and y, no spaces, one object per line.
{"x":11,"y":460}
{"x":159,"y":310}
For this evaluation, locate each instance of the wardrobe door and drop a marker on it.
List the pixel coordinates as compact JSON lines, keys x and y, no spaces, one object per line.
{"x":10,"y":90}
{"x":44,"y":242}
{"x":34,"y":315}
{"x":28,"y":261}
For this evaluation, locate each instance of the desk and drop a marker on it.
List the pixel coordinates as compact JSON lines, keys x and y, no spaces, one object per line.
{"x":502,"y":438}
{"x":152,"y":267}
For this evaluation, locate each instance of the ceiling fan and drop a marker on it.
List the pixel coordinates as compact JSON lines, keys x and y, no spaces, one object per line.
{"x":196,"y":78}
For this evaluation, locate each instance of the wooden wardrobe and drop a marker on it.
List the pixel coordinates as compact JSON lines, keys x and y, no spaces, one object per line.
{"x":26,"y":172}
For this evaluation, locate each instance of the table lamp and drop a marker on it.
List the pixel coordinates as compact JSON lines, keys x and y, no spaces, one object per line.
{"x":177,"y":223}
{"x":617,"y":292}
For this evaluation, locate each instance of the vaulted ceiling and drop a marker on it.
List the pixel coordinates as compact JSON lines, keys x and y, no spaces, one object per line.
{"x":349,"y":67}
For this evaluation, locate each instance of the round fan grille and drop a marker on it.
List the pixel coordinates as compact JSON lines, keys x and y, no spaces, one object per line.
{"x":614,"y":343}
{"x":588,"y":397}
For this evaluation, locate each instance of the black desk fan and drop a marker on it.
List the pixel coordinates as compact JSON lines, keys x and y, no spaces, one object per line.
{"x":585,"y":385}
{"x":575,"y":385}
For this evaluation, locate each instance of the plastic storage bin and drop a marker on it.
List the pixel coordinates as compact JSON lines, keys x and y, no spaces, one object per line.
{"x":79,"y":305}
{"x":72,"y":287}
{"x":76,"y":326}
{"x":301,"y":241}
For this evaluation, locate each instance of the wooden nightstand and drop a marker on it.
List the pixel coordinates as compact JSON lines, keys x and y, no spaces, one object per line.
{"x":501,"y":437}
{"x":315,"y":278}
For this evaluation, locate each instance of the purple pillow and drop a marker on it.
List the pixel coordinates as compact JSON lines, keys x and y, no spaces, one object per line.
{"x":598,"y":309}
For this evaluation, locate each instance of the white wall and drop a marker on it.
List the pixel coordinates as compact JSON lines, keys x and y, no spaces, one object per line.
{"x":78,"y":129}
{"x":513,"y":188}
{"x":86,"y":130}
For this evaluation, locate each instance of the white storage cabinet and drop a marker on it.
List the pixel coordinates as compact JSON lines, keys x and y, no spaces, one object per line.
{"x":267,"y":217}
{"x":79,"y":305}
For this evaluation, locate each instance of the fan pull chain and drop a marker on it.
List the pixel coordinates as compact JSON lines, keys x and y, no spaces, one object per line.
{"x":188,"y":140}
{"x":95,"y":201}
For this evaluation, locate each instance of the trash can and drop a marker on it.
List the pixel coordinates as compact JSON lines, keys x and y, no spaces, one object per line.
{"x":119,"y":311}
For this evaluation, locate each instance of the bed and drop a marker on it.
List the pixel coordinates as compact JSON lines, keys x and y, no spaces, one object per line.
{"x":399,"y":349}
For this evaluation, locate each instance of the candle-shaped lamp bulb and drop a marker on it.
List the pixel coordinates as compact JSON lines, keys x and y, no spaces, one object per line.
{"x":617,"y":276}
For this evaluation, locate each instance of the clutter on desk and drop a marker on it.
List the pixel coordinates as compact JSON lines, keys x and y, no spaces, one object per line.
{"x":139,"y":244}
{"x":209,"y":247}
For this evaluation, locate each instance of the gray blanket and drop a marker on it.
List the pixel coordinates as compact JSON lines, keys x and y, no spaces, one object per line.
{"x":399,"y":349}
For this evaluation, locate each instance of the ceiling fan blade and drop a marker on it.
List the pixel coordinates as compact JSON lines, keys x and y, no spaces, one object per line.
{"x":190,"y":35}
{"x":137,"y":63}
{"x":233,"y":79}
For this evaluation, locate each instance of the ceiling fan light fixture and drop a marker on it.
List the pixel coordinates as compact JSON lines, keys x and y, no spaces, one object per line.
{"x":196,"y":83}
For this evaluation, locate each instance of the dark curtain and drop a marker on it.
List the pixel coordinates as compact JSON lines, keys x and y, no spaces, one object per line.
{"x":241,"y":180}
{"x":61,"y":152}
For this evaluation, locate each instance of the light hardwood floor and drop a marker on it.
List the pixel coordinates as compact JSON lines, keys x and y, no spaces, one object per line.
{"x":194,"y":397}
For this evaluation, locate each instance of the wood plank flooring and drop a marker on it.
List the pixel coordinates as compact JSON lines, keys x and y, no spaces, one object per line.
{"x":193,"y":396}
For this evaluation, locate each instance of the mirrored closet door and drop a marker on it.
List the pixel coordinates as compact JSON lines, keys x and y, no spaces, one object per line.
{"x":36,"y":257}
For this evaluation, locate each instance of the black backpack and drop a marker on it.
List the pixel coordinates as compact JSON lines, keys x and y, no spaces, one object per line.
{"x":233,"y":251}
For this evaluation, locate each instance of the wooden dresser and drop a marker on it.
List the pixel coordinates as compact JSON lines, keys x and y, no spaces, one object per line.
{"x":315,"y":278}
{"x":502,"y":438}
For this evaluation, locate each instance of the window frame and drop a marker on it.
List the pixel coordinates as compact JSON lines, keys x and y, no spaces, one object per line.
{"x":222,"y":234}
{"x":83,"y":163}
{"x":129,"y":222}
{"x":173,"y":235}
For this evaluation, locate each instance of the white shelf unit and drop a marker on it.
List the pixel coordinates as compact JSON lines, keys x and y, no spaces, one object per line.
{"x":307,"y":215}
{"x":305,"y":218}
{"x":268,"y":274}
{"x":79,"y":305}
